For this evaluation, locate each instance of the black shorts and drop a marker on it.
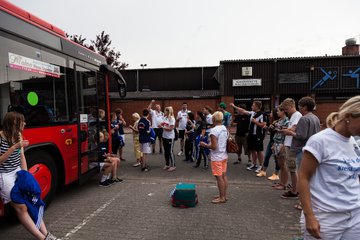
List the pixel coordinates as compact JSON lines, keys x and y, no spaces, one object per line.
{"x":255,"y":143}
{"x":181,"y":134}
{"x":158,"y":133}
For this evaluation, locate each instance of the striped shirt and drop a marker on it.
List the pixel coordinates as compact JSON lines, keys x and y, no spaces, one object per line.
{"x":13,"y":162}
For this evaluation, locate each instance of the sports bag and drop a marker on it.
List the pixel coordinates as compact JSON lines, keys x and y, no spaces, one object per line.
{"x":184,"y":196}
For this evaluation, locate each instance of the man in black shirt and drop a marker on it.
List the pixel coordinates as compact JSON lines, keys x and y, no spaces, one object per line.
{"x":242,"y":129}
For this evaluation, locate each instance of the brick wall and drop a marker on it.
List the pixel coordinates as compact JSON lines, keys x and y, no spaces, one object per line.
{"x":131,"y":106}
{"x":323,"y":109}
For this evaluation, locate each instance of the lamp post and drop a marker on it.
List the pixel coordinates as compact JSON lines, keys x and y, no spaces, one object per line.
{"x":143,"y":65}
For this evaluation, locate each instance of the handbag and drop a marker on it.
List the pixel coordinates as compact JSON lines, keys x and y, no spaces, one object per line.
{"x":231,"y":145}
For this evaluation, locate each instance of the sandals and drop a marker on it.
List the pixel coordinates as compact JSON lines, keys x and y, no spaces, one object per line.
{"x":298,"y":206}
{"x":279,"y":186}
{"x":218,"y":200}
{"x":218,"y":196}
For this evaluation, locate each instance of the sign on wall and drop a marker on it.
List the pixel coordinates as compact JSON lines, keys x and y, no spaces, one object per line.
{"x":246,"y":71}
{"x":246,"y":82}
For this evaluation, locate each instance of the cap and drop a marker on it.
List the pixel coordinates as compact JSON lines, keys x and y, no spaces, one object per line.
{"x":222,"y":105}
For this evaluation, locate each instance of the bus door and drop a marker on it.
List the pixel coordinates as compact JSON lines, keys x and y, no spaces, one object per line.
{"x":88,"y":122}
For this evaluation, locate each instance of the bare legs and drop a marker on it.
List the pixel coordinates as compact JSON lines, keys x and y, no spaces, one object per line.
{"x":28,"y":223}
{"x":222,"y":183}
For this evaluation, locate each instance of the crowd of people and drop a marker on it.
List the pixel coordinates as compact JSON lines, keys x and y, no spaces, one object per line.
{"x":323,"y":166}
{"x":307,"y":161}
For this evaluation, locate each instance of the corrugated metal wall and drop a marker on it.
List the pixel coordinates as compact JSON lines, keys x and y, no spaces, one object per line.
{"x":322,"y":76}
{"x":260,"y":69}
{"x":170,"y":79}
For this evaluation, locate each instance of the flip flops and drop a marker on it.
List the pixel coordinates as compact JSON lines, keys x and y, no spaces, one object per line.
{"x":279,"y":186}
{"x":218,"y":200}
{"x":298,"y":206}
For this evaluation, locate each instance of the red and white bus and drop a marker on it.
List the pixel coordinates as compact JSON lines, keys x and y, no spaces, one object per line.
{"x":59,"y":86}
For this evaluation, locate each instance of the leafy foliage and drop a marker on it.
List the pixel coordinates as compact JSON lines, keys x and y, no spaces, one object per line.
{"x":102,"y":45}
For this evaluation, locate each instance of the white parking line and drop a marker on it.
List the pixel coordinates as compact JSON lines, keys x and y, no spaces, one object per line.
{"x":88,"y":218}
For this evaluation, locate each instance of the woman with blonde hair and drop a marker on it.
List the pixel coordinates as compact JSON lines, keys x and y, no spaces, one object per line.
{"x":218,"y":155}
{"x":12,"y":160}
{"x":329,"y":177}
{"x":168,"y":126}
{"x":137,"y":151}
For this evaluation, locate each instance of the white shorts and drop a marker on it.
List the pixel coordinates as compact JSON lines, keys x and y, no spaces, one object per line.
{"x":123,"y":137}
{"x":335,"y":226}
{"x":7,"y":182}
{"x":145,"y":147}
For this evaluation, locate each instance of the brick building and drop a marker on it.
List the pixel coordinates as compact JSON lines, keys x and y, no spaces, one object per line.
{"x":329,"y":79}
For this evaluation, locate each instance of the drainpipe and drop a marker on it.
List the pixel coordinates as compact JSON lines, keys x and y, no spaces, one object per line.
{"x":137,"y":80}
{"x":275,"y":87}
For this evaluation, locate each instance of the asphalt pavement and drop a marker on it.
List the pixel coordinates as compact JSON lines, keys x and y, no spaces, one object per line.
{"x":139,"y":207}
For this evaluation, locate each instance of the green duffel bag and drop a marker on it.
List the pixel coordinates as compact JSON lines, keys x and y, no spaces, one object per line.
{"x":184,"y":195}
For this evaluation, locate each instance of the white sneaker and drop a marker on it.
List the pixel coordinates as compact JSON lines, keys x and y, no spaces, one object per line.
{"x":49,"y":236}
{"x":258,"y":169}
{"x":180,"y":153}
{"x":251,"y":167}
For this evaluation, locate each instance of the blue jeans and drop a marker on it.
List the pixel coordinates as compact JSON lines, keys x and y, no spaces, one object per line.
{"x":268,"y":155}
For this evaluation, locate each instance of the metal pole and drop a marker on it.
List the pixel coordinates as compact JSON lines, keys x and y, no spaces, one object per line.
{"x":137,"y":80}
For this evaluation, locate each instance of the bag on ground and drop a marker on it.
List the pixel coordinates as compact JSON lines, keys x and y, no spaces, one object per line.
{"x":184,"y":195}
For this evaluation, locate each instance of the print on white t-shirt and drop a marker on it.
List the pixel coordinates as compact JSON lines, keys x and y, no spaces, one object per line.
{"x":156,"y":118}
{"x":335,"y":185}
{"x":183,"y":116}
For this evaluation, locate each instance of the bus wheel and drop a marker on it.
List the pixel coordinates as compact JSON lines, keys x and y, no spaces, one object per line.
{"x":43,"y":167}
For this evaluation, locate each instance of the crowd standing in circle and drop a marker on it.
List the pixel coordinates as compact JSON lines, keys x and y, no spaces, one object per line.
{"x":312,"y":158}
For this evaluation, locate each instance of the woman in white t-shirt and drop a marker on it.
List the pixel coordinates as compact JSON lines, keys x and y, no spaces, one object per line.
{"x":218,"y":138}
{"x":329,"y":178}
{"x":168,"y":125}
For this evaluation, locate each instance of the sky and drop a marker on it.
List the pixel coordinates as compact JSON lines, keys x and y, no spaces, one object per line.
{"x":193,"y":33}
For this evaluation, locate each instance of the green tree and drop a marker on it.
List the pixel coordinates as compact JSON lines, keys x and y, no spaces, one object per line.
{"x":102,"y":45}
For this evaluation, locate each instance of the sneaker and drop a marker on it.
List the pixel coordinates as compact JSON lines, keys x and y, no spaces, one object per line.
{"x":290,"y":195}
{"x":251,"y":167}
{"x":273,"y":177}
{"x":258,"y":169}
{"x":237,"y":162}
{"x":145,"y":169}
{"x":111,"y":181}
{"x":171,"y":169}
{"x":195,"y":166}
{"x":180,"y":153}
{"x":116,"y":180}
{"x":105,"y":183}
{"x":205,"y":167}
{"x":166,"y":167}
{"x":261,"y":174}
{"x":49,"y":236}
{"x":136,"y":165}
{"x":249,"y":164}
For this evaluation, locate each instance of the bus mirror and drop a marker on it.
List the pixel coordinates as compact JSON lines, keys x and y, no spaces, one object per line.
{"x":122,"y":87}
{"x":119,"y":78}
{"x":122,"y":91}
